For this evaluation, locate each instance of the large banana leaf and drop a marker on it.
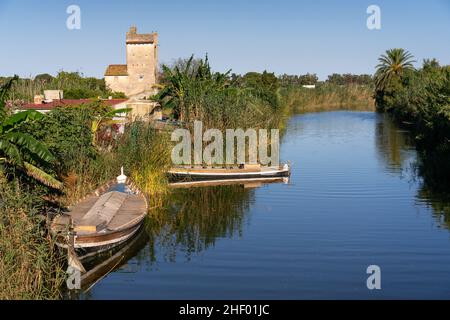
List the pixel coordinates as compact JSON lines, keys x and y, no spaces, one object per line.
{"x":42,"y":176}
{"x":28,"y":142}
{"x":11,"y":152}
{"x":19,"y":117}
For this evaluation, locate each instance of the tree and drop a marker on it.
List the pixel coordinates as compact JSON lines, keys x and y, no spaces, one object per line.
{"x":43,"y":78}
{"x":392,"y":65}
{"x":20,"y":149}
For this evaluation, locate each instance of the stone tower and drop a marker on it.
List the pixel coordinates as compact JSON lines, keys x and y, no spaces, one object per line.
{"x":140,"y":72}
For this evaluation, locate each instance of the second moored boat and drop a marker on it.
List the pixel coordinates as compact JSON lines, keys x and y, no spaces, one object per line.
{"x":243,"y":171}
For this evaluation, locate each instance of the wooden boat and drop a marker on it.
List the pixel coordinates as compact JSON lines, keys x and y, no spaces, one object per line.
{"x":102,"y":220}
{"x":245,"y":171}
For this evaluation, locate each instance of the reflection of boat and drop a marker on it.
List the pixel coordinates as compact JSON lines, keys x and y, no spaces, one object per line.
{"x":104,"y":219}
{"x":102,"y":264}
{"x":247,"y":183}
{"x":245,"y":171}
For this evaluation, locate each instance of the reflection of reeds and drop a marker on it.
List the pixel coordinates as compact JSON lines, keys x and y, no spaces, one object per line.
{"x":439,"y":201}
{"x":328,"y":97}
{"x":195,"y":218}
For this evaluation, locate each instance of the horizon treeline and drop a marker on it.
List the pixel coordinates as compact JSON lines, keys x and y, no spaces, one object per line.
{"x":76,"y":86}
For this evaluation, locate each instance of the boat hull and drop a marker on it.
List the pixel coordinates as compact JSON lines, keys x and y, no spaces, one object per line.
{"x":197,"y":176}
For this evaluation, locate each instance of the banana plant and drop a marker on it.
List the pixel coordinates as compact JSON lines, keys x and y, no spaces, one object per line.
{"x":189,"y":81}
{"x":20,"y":149}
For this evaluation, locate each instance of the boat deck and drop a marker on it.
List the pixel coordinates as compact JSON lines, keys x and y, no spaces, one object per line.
{"x":103,"y":213}
{"x":113,"y":214}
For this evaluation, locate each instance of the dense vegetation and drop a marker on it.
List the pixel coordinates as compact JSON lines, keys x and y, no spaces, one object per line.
{"x":29,"y":265}
{"x":194,"y":92}
{"x":79,"y":146}
{"x":338,"y":92}
{"x":191,"y":90}
{"x":420,"y":100}
{"x":327,"y":96}
{"x":74,"y":85}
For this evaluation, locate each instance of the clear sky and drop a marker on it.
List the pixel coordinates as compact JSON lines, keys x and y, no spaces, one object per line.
{"x":282,"y":36}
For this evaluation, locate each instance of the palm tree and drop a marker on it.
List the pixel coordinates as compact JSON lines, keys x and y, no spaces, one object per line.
{"x":392,"y":65}
{"x":20,"y":149}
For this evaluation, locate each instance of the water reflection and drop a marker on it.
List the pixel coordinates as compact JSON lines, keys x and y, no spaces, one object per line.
{"x":355,"y":199}
{"x":395,"y":147}
{"x":195,"y":218}
{"x":397,"y":151}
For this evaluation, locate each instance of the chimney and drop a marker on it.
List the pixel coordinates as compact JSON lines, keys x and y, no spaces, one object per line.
{"x":38,"y":99}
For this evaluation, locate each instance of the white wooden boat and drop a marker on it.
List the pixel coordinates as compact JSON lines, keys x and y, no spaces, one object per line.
{"x":241,"y":172}
{"x":102,"y":220}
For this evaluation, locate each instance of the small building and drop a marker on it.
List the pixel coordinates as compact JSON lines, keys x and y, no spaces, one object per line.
{"x":46,"y":105}
{"x":309,"y":86}
{"x":144,"y":110}
{"x":141,"y":108}
{"x":53,"y":95}
{"x":140,"y":72}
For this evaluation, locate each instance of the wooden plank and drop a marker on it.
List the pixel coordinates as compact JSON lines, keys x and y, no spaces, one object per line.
{"x":102,"y":212}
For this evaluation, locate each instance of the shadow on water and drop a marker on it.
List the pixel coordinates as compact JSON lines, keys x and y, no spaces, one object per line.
{"x":396,"y":149}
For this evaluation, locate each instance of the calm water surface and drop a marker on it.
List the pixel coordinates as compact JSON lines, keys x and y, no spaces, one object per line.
{"x":353,"y":200}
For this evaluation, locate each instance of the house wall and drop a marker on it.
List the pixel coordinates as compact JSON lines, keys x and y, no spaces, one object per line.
{"x":146,"y":110}
{"x":117,"y":83}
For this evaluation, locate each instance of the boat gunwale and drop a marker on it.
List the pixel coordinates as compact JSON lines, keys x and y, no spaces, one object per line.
{"x":228,"y":172}
{"x":108,"y":234}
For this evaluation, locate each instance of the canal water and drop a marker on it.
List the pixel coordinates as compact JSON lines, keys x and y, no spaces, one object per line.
{"x":354,"y":199}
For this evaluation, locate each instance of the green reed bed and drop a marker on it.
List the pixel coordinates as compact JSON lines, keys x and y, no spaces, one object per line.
{"x":328,"y":97}
{"x":31,"y":267}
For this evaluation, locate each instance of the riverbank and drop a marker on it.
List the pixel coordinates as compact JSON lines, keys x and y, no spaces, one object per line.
{"x":77,"y":161}
{"x":419,"y":100}
{"x":328,"y":97}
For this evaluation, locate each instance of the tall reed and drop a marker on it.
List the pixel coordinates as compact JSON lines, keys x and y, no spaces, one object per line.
{"x":327,"y":97}
{"x":30,"y":265}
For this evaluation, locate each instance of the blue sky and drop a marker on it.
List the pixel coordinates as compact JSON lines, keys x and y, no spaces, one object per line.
{"x":282,"y":36}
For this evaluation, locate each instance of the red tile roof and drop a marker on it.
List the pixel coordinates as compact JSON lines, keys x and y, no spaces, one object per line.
{"x":116,"y":70}
{"x":68,"y":102}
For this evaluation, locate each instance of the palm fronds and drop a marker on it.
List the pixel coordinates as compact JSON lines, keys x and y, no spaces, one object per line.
{"x":392,"y":64}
